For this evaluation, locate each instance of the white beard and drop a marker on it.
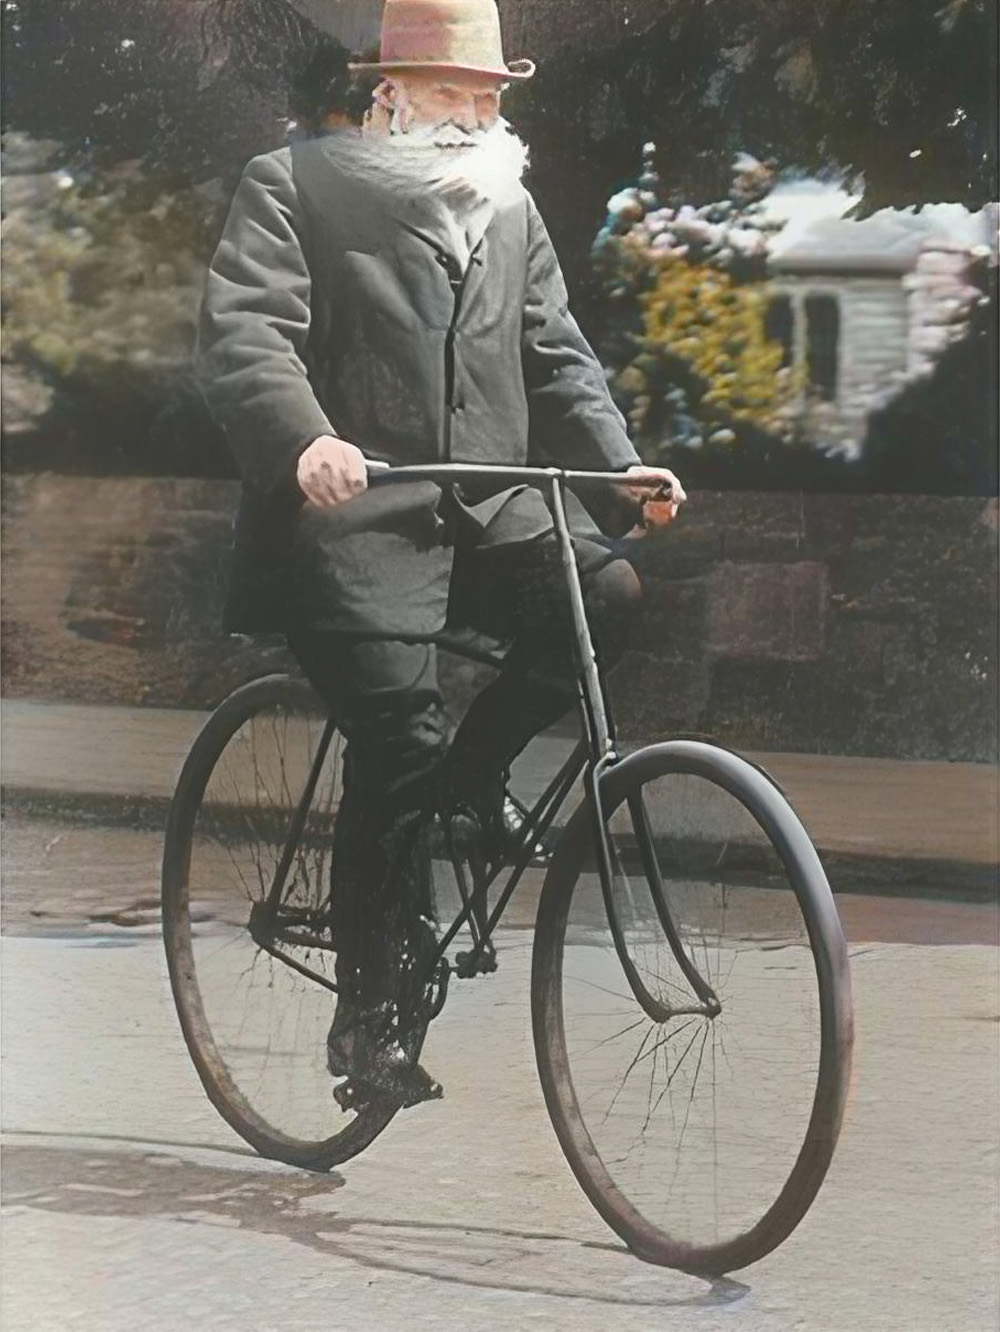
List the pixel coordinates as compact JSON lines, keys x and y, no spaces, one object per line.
{"x":484,"y":167}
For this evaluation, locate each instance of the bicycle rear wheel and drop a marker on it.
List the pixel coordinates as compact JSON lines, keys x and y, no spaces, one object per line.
{"x":256,"y":1025}
{"x":701,"y":1136}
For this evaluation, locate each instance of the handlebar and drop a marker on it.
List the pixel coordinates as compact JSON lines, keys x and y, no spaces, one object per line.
{"x":555,"y":480}
{"x":381,"y":471}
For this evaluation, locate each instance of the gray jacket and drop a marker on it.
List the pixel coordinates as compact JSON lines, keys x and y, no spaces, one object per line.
{"x":334,"y":305}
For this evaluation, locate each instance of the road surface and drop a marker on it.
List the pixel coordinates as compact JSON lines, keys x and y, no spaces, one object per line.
{"x":129,"y":1203}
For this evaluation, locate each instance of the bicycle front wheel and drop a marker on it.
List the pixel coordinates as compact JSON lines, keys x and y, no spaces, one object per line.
{"x":255,"y":1022}
{"x":696,"y":1069}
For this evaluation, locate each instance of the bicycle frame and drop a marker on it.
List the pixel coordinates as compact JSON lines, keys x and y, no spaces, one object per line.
{"x":594,"y":757}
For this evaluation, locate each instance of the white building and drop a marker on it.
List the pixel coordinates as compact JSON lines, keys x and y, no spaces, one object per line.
{"x":863,"y":307}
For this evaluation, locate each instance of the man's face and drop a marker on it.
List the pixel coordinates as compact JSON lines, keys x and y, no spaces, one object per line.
{"x":459,"y":105}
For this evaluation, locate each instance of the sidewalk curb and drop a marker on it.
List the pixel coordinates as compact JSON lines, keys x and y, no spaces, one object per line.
{"x":854,"y":873}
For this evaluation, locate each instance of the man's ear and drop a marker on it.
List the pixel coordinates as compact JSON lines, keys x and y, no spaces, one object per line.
{"x":378,"y":118}
{"x":385,"y":95}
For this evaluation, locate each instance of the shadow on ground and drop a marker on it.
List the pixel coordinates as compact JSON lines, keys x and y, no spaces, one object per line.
{"x":139,"y":1182}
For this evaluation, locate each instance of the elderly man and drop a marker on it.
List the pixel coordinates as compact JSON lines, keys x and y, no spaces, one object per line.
{"x":392,"y":294}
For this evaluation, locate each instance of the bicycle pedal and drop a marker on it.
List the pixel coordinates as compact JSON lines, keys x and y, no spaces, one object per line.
{"x":472,"y":964}
{"x":401,"y":1093}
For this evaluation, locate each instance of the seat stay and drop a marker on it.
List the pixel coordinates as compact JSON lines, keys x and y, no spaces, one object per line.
{"x":263,"y":935}
{"x":298,"y":823}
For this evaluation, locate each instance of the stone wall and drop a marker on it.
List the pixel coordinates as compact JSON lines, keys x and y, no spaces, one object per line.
{"x":841,"y":624}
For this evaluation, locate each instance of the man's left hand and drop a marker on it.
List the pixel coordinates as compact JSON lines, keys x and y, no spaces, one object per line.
{"x":659,"y":492}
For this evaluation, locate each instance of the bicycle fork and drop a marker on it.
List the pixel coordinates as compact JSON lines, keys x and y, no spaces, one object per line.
{"x":597,"y":725}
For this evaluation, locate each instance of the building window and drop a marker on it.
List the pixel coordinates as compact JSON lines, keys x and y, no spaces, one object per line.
{"x":822,"y":343}
{"x":779,"y":327}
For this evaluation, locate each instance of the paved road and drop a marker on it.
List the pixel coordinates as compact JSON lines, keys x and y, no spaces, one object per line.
{"x":128,"y":1202}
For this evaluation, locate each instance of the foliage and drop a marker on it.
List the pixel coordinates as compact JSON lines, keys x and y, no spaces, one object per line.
{"x":101,"y":270}
{"x":189,"y":89}
{"x":899,"y":96}
{"x":939,"y":436}
{"x":899,"y":92}
{"x":691,"y":362}
{"x":101,"y":282}
{"x":325,"y":89}
{"x":717,"y":326}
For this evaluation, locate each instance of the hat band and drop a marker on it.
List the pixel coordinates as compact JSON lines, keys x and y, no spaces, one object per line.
{"x":517,"y":69}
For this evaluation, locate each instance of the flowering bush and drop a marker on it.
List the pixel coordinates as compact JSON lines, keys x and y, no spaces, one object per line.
{"x":690,"y":358}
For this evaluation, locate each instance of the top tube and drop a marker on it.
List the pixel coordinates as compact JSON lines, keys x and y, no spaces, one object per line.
{"x":594,"y":709}
{"x":381,"y":471}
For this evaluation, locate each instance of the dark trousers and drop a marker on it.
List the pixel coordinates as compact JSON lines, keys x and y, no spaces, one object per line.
{"x":388,"y":705}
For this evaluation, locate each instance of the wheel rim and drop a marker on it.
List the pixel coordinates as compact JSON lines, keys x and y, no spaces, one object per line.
{"x":256,"y":1027}
{"x":701,"y":1139}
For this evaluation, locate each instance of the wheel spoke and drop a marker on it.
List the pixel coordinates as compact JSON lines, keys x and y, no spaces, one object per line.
{"x":255,"y":1026}
{"x":691,"y":1131}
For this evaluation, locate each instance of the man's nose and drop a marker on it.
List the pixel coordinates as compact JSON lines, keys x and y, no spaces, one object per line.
{"x":466,"y":118}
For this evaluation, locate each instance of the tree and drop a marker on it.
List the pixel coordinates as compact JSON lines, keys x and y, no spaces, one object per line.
{"x":190,"y":89}
{"x":112,"y":216}
{"x":102,"y":275}
{"x":899,"y":91}
{"x":899,"y":95}
{"x":939,"y":436}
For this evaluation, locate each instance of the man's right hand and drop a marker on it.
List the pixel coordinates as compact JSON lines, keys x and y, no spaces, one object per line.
{"x":331,"y":472}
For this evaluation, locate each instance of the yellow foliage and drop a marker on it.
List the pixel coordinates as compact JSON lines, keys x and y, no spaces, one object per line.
{"x":700,"y":314}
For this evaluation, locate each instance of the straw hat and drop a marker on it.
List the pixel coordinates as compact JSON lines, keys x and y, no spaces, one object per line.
{"x":444,"y":35}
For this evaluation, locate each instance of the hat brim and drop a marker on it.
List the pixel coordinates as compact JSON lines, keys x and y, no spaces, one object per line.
{"x":516,"y":71}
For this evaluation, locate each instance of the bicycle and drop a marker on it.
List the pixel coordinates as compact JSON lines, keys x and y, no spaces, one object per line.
{"x":690,"y":991}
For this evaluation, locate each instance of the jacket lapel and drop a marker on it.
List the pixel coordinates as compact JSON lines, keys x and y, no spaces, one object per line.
{"x":456,"y":237}
{"x":430,"y":223}
{"x":476,"y":274}
{"x":473,"y":264}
